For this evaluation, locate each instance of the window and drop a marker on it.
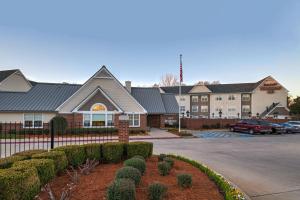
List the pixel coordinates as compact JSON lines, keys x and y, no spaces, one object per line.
{"x":246,"y":108}
{"x":182,"y":109}
{"x":204,"y":109}
{"x":246,"y":97}
{"x":182,"y":99}
{"x":98,"y":117}
{"x":231,"y":98}
{"x":204,"y":98}
{"x":134,"y":120}
{"x":219,"y":98}
{"x":218,"y":109}
{"x":194,"y":98}
{"x":231,"y":109}
{"x":194,"y":108}
{"x":33,"y":120}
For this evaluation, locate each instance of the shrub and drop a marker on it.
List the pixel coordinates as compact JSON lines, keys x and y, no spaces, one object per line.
{"x":75,"y":154}
{"x":139,"y":148}
{"x":137,"y":131}
{"x":113,"y":151}
{"x":19,"y":183}
{"x":169,"y":160}
{"x":29,"y":153}
{"x":9,"y":161}
{"x":156,"y":191}
{"x":92,"y":151}
{"x":163,"y":168}
{"x":59,"y":158}
{"x":139,"y":157}
{"x":78,"y":131}
{"x":136,"y":163}
{"x":121,"y":189}
{"x":184,"y":180}
{"x":45,"y":168}
{"x":205,"y":126}
{"x":161,"y":157}
{"x":59,"y":124}
{"x":130,"y":173}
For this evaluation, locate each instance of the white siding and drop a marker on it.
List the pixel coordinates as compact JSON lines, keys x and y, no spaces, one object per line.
{"x":230,"y":108}
{"x":18,"y":117}
{"x":185,"y":102}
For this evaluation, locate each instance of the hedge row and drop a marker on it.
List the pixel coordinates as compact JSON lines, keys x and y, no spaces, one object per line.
{"x":229,"y":191}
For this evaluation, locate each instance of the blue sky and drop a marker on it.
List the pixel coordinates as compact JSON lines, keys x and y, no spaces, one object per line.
{"x":229,"y":41}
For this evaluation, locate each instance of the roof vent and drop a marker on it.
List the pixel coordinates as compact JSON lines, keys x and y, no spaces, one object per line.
{"x":128,"y":86}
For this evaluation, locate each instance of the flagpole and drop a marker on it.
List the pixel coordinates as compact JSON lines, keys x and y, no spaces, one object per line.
{"x":179,"y":124}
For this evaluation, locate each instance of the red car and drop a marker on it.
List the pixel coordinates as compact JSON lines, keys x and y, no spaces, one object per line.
{"x":251,"y":126}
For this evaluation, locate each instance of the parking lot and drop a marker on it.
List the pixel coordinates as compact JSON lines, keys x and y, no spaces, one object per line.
{"x":265,"y":167}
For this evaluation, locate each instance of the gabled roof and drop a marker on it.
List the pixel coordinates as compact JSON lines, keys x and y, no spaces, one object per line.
{"x":150,"y":99}
{"x":44,"y":97}
{"x":217,"y":88}
{"x":6,"y":73}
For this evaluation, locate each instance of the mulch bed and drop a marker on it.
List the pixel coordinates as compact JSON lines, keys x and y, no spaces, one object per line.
{"x":93,"y":186}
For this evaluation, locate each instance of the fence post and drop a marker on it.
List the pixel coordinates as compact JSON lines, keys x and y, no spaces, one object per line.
{"x":123,"y":131}
{"x":52,"y":134}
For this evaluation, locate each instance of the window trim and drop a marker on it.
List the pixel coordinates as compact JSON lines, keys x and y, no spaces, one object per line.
{"x":182,"y":111}
{"x":247,"y":110}
{"x":139,"y":114}
{"x":248,"y":99}
{"x":195,"y":98}
{"x":33,"y":127}
{"x":205,"y":99}
{"x":196,"y":107}
{"x":206,"y":110}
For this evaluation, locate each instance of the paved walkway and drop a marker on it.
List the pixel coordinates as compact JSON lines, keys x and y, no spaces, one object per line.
{"x":265,"y":167}
{"x":156,"y":133}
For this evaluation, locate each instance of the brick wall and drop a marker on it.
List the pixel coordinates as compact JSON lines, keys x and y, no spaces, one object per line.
{"x":73,"y":119}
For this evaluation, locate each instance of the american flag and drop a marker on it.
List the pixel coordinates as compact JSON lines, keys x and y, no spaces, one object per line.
{"x":181,"y":76}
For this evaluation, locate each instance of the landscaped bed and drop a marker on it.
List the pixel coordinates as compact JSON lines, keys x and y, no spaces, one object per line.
{"x":94,"y":186}
{"x":112,"y":171}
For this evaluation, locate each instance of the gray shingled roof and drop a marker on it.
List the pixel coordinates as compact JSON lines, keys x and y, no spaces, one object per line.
{"x":6,"y":73}
{"x":44,"y":97}
{"x":218,"y":88}
{"x":150,"y":99}
{"x":170,"y":103}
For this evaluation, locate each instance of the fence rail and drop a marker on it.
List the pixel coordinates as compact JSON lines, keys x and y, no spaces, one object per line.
{"x":14,"y":137}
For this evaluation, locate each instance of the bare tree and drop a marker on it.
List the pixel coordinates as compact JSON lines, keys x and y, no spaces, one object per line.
{"x":207,"y":83}
{"x":169,"y":80}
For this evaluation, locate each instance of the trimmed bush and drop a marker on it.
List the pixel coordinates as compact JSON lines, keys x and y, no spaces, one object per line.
{"x":19,"y":183}
{"x":169,"y":160}
{"x":139,"y":157}
{"x":161,"y":157}
{"x":9,"y":161}
{"x":92,"y":151}
{"x":139,"y":148}
{"x":59,"y":124}
{"x":131,"y":173}
{"x":121,"y":189}
{"x":45,"y":168}
{"x":29,"y":153}
{"x":184,"y":180}
{"x":136,"y":163}
{"x":75,"y":154}
{"x":157,"y":191}
{"x":113,"y":151}
{"x":163,"y":168}
{"x":59,"y":158}
{"x":79,"y":131}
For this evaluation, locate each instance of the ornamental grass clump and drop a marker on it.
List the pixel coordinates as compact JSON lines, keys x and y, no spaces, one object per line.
{"x":164,"y":168}
{"x":184,"y":180}
{"x":121,"y":189}
{"x":129,"y":173}
{"x":157,"y":191}
{"x":136,"y":163}
{"x":169,"y":160}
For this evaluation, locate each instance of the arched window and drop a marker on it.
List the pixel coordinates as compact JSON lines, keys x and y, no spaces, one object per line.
{"x":98,"y":107}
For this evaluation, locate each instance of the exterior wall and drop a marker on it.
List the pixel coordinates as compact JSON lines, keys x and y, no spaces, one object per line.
{"x":225,"y":104}
{"x":97,"y":98}
{"x":199,"y":104}
{"x":246,"y":103}
{"x":19,"y":117}
{"x":115,"y":91}
{"x":184,"y":102}
{"x":261,"y":99}
{"x":15,"y":83}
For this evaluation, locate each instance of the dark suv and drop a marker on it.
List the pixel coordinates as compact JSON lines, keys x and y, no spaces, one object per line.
{"x":251,"y":126}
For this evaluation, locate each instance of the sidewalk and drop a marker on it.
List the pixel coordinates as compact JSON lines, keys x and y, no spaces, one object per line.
{"x":155,"y":133}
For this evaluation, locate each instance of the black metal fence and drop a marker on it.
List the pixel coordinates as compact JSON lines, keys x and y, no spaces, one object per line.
{"x":15,"y":137}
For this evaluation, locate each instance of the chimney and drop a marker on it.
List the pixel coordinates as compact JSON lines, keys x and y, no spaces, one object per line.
{"x":128,"y":86}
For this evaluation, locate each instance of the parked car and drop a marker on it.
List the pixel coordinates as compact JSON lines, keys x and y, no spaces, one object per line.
{"x":294,"y":123}
{"x":290,"y":128}
{"x":276,"y":128}
{"x":251,"y":127}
